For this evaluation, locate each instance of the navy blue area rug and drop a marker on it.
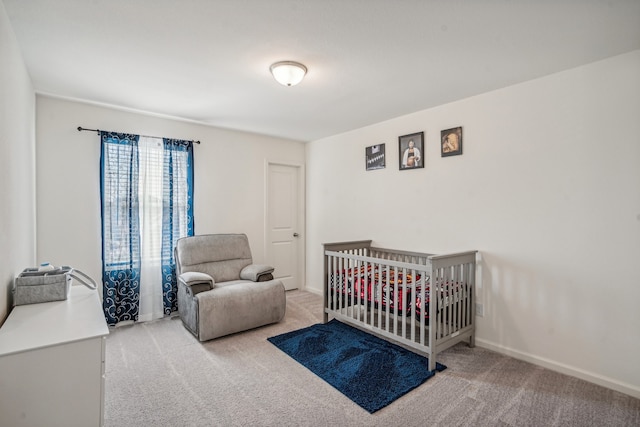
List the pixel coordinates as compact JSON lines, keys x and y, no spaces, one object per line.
{"x":368,"y":370}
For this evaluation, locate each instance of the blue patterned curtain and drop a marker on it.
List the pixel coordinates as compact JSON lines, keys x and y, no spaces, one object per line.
{"x":177,"y":212}
{"x":123,"y":206}
{"x":120,"y":226}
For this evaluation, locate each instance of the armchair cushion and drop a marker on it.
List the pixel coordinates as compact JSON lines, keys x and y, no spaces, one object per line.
{"x":255,"y":272}
{"x":197,"y":282}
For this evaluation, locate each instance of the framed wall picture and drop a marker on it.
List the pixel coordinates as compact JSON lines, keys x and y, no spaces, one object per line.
{"x":410,"y":149}
{"x":374,"y":156}
{"x":451,"y":142}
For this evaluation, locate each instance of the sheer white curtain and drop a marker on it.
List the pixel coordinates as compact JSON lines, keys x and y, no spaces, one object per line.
{"x":151,"y":151}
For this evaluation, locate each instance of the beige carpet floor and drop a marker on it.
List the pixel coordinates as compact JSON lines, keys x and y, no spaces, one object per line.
{"x":158,"y":374}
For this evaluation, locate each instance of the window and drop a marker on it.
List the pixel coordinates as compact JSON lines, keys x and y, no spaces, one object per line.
{"x":147,"y":204}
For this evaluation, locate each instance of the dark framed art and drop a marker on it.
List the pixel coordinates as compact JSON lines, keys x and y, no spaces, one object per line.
{"x":374,"y":156}
{"x":451,"y":142}
{"x":410,"y":149}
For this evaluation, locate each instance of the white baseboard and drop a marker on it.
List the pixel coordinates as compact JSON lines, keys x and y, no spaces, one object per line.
{"x":616,"y":385}
{"x":313,"y":291}
{"x":603,"y":381}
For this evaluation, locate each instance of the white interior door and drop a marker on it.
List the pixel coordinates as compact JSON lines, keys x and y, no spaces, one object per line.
{"x":284,"y":242}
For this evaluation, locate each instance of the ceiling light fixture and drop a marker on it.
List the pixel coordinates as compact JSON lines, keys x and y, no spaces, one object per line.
{"x":288,"y":73}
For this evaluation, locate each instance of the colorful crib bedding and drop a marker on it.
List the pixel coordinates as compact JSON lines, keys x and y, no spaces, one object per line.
{"x":399,"y":290}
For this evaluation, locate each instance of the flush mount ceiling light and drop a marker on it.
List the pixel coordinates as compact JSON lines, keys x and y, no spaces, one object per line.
{"x":288,"y":73}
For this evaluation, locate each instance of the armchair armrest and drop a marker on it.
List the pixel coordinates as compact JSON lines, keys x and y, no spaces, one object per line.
{"x":196,"y":282}
{"x":257,"y":273}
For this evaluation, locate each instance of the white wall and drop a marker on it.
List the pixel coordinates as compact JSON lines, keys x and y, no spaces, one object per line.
{"x":229,"y":178}
{"x":548,"y":189}
{"x":17,"y":175}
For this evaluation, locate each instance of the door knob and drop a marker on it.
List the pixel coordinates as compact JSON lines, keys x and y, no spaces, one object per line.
{"x":295,"y":235}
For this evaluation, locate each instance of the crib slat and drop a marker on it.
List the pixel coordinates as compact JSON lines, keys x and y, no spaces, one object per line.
{"x":395,"y":300}
{"x":331,"y":285}
{"x":339,"y":281}
{"x":379,"y":295}
{"x":412,"y":305}
{"x":352,"y":267}
{"x":403,"y":309}
{"x":357,"y":290}
{"x":453,"y":320}
{"x":343,"y":282}
{"x":458,"y":296}
{"x":373,"y":295}
{"x":461,"y":302}
{"x":464,"y":301}
{"x":364,"y":281}
{"x":387,"y":300}
{"x":423,"y":307}
{"x":448,"y":296}
{"x":439,"y":301}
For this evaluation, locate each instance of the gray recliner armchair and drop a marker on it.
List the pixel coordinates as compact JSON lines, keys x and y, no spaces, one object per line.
{"x":220,"y":290}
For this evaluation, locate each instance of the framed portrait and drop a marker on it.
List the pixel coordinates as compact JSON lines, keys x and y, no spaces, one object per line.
{"x":374,"y":156}
{"x":411,"y":149}
{"x":451,"y":142}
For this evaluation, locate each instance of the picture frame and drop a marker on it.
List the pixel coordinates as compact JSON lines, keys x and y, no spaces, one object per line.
{"x":451,"y":142}
{"x":375,"y":157}
{"x":411,"y":151}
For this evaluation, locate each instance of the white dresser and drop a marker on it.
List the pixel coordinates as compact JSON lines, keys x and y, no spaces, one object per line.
{"x":52,"y":363}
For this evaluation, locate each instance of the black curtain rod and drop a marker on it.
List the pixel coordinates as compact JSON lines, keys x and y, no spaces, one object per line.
{"x":80,"y":129}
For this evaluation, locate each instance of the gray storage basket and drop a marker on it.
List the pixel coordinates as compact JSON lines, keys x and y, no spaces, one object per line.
{"x":33,"y":286}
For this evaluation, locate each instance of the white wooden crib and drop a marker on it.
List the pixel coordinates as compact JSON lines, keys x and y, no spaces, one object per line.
{"x":382,"y":291}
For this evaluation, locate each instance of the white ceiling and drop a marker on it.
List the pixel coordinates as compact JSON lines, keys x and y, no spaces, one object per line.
{"x":368,"y":60}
